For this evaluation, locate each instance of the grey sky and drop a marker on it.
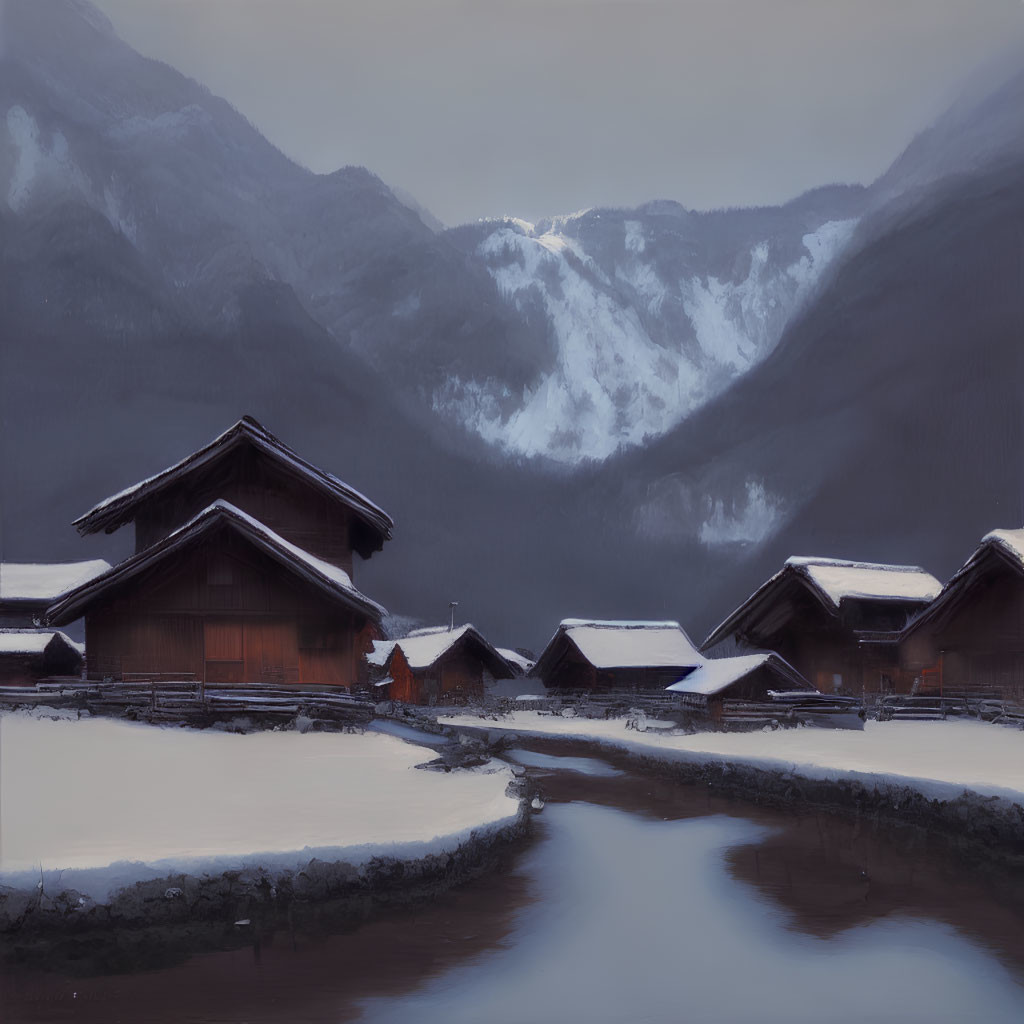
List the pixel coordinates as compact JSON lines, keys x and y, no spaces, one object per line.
{"x":536,"y":107}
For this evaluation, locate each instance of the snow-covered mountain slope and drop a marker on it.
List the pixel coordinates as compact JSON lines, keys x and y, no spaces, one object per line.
{"x":645,"y":319}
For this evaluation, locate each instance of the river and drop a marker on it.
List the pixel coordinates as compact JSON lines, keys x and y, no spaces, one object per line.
{"x":637,"y":900}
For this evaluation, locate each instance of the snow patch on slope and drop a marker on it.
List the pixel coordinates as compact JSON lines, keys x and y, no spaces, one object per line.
{"x":612,"y":385}
{"x":41,"y":164}
{"x":623,"y":373}
{"x":748,"y":521}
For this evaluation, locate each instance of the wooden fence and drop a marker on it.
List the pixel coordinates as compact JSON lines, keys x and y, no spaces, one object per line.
{"x":178,"y":700}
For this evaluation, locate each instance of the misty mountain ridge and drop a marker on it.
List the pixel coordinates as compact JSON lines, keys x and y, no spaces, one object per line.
{"x":616,"y":413}
{"x":593,"y":333}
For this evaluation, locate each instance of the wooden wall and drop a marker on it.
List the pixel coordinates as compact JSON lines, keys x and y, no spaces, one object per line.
{"x":979,"y":644}
{"x":572,"y":671}
{"x":456,"y":677}
{"x":22,"y":669}
{"x":21,"y":614}
{"x":404,"y":686}
{"x":292,"y":508}
{"x":825,"y":648}
{"x":229,"y":614}
{"x":461,"y":675}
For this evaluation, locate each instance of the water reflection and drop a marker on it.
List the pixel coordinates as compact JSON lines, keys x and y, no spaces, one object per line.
{"x":639,"y":900}
{"x":640,"y":920}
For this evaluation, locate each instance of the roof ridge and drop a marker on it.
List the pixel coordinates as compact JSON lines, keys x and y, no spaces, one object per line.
{"x":801,"y":561}
{"x":106,"y":513}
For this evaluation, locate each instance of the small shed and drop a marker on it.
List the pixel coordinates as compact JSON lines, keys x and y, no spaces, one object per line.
{"x":602,"y":654}
{"x":27,"y":655}
{"x":438,"y":665}
{"x":970,"y":639}
{"x":27,"y":589}
{"x":838,"y":623}
{"x":752,"y":677}
{"x":520,"y":663}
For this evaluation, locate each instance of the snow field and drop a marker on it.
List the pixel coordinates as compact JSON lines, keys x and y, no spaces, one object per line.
{"x":86,"y":794}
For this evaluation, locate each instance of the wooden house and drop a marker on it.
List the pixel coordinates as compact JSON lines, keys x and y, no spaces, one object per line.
{"x":835,"y":622}
{"x":257,"y":592}
{"x":27,"y":655}
{"x":437,"y":665}
{"x":593,"y":654}
{"x":27,"y":589}
{"x":970,"y":639}
{"x":750,"y":677}
{"x":258,"y":473}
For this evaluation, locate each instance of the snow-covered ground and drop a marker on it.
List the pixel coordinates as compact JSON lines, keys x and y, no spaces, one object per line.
{"x":939,"y":759}
{"x":80,"y":796}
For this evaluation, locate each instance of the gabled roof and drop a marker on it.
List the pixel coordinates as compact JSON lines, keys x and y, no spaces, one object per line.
{"x":35,"y":641}
{"x":517,"y":660}
{"x":1009,"y":541}
{"x":120,"y":508}
{"x":610,"y":644}
{"x":839,"y":580}
{"x":717,"y":674}
{"x":39,"y":581}
{"x":330,"y":579}
{"x":423,"y":648}
{"x":833,"y":581}
{"x":1005,"y":546}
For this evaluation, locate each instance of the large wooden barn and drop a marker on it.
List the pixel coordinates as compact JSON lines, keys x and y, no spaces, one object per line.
{"x":438,"y":665}
{"x":971,"y":637}
{"x":594,"y":654}
{"x":242,"y":571}
{"x":838,"y":623}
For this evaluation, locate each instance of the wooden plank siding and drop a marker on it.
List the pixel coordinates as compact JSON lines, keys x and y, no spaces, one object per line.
{"x":977,"y":644}
{"x":290,"y":506}
{"x":572,"y":671}
{"x":455,"y":678}
{"x":228,"y":614}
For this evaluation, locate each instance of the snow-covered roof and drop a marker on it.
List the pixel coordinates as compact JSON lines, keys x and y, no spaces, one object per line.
{"x":838,"y":579}
{"x":717,"y":674}
{"x":833,"y":580}
{"x":515,"y":658}
{"x":33,"y":641}
{"x":1011,"y":541}
{"x":623,"y":643}
{"x":39,"y":581}
{"x":328,"y":577}
{"x":423,"y":647}
{"x":118,"y":508}
{"x":1008,"y":543}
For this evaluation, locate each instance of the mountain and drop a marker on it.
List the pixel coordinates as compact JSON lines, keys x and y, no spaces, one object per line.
{"x":888,"y":423}
{"x":479,"y":327}
{"x":649,"y":314}
{"x":619,"y":413}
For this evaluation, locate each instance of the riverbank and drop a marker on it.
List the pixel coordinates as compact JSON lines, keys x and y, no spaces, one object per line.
{"x":110,"y":823}
{"x":964,"y":779}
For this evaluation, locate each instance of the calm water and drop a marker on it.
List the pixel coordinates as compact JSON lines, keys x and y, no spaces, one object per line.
{"x":638,"y":901}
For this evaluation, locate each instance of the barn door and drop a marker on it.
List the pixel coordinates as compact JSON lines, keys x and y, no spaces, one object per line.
{"x":271,"y":652}
{"x":223,"y":643}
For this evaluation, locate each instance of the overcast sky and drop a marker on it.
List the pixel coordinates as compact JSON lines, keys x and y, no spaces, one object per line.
{"x":536,"y":107}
